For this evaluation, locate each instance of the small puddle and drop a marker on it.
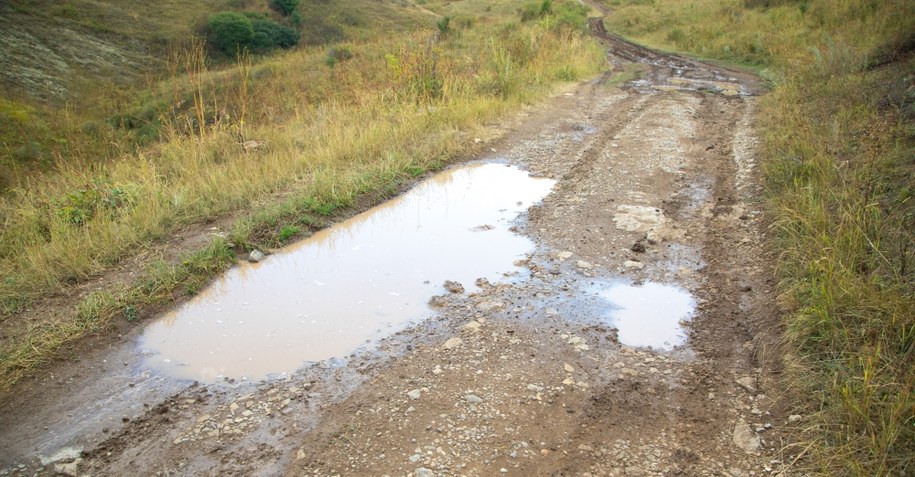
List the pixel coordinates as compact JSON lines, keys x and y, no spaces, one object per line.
{"x":358,"y":281}
{"x":649,"y":315}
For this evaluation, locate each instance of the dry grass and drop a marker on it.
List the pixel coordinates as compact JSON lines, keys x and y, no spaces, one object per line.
{"x":839,"y":163}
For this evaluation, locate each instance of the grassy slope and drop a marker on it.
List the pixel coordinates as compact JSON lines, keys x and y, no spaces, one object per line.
{"x":402,"y":105}
{"x":840,"y":165}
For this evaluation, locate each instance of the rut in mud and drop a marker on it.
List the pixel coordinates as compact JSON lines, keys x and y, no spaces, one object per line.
{"x":655,"y":204}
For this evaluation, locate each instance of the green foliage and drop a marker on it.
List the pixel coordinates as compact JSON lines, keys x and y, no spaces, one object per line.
{"x":230,"y":31}
{"x":287,"y":232}
{"x":80,"y":206}
{"x":285,"y":7}
{"x":560,"y":15}
{"x":534,"y":10}
{"x":444,"y":24}
{"x":269,"y":34}
{"x":130,"y":313}
{"x":568,"y":15}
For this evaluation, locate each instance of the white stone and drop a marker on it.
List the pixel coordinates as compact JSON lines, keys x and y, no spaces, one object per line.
{"x":745,"y":438}
{"x":453,"y":343}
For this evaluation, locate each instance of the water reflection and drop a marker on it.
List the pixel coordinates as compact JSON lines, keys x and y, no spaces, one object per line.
{"x":649,"y":315}
{"x":359,"y":280}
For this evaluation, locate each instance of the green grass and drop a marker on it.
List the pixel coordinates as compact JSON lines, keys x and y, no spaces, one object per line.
{"x":326,"y":137}
{"x":98,"y":311}
{"x":840,"y":170}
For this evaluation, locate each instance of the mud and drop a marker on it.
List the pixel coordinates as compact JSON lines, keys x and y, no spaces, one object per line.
{"x":656,"y":183}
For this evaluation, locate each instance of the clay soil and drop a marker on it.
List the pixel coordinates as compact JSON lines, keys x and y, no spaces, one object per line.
{"x":657,"y":181}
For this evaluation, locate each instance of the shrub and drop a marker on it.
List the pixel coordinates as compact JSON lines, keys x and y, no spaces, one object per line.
{"x":285,"y":7}
{"x":230,"y":31}
{"x":444,"y":24}
{"x":269,"y":34}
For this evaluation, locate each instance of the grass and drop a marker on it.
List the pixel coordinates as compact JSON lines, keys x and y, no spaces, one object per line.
{"x":839,"y":149}
{"x":231,"y":140}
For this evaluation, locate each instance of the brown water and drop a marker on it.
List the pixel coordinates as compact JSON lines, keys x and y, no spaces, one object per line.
{"x":650,"y":315}
{"x":355,"y":282}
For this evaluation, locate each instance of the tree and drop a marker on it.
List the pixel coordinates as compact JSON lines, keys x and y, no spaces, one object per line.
{"x":230,"y":31}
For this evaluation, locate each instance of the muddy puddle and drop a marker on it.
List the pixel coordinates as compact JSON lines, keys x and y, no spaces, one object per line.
{"x":650,"y":314}
{"x":351,"y":284}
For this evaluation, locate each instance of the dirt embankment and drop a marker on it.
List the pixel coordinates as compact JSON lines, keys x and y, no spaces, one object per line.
{"x":656,"y":185}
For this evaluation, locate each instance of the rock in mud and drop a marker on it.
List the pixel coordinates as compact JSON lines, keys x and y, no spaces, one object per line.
{"x":490,"y":305}
{"x":438,"y":301}
{"x":423,"y":472}
{"x":748,"y":383}
{"x":255,"y":256}
{"x":414,"y":394}
{"x":745,"y":438}
{"x":453,"y":343}
{"x":71,"y":468}
{"x":63,"y":455}
{"x":472,"y":326}
{"x":638,"y":247}
{"x":453,"y":287}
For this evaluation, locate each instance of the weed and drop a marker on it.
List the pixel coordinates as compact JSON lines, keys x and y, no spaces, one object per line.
{"x":443,"y":24}
{"x":287,"y":232}
{"x":130,"y":313}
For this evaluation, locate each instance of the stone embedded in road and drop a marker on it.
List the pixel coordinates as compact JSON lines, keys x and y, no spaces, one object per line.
{"x":472,"y":326}
{"x":453,"y":343}
{"x":584,"y":265}
{"x":745,"y":438}
{"x":490,"y":305}
{"x":473,"y":399}
{"x":415,"y":394}
{"x":748,"y":383}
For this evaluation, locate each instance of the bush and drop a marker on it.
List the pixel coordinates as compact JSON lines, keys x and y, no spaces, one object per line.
{"x":230,"y":31}
{"x":285,"y":7}
{"x":444,"y":24}
{"x":269,"y":34}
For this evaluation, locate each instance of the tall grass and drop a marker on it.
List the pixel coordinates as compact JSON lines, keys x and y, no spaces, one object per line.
{"x":319,"y":133}
{"x":840,"y":170}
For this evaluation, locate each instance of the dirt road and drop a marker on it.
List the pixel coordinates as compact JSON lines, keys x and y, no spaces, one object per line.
{"x":657,"y":191}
